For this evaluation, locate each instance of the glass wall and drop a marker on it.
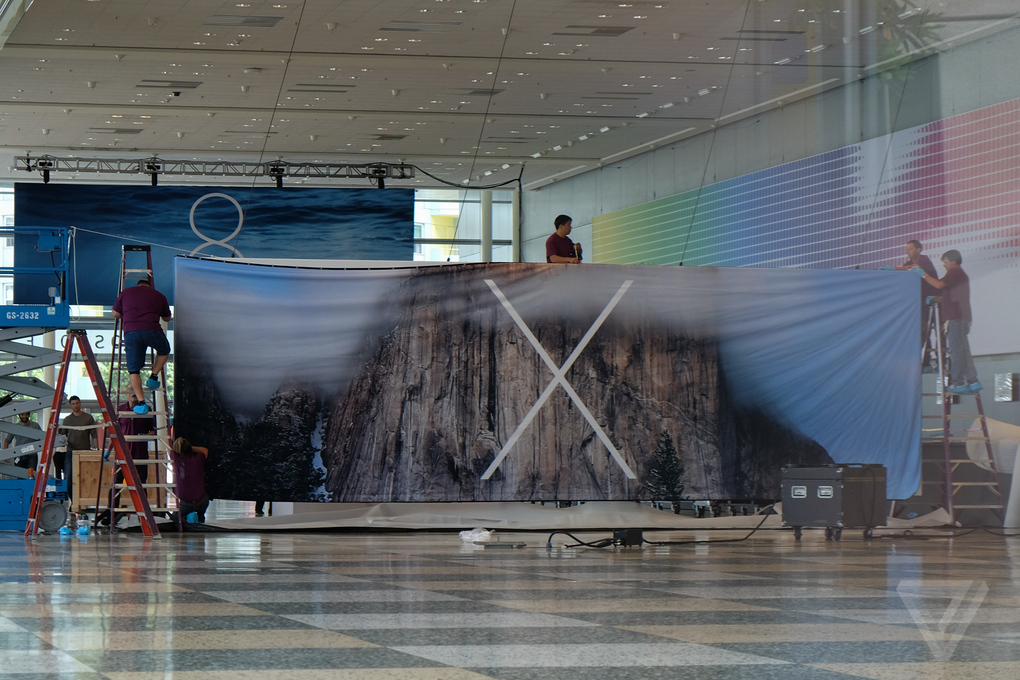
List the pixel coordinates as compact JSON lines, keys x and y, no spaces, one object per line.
{"x":448,"y":225}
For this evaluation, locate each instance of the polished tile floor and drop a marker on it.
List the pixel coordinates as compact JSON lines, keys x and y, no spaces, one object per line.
{"x":427,"y":606}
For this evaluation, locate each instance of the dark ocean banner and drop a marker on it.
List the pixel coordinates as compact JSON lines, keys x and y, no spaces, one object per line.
{"x":337,"y":224}
{"x":497,"y":382}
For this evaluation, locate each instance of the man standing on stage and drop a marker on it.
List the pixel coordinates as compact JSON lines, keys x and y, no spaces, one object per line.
{"x":955,"y":287}
{"x":141,"y":307}
{"x":916,"y":259}
{"x":559,"y":248}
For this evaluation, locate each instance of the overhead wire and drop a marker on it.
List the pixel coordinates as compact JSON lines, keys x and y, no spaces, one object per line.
{"x":715,"y":132}
{"x":272,"y":114}
{"x":481,"y":130}
{"x":866,"y":219}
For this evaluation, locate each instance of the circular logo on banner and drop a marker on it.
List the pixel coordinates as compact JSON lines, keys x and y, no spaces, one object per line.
{"x":211,"y":241}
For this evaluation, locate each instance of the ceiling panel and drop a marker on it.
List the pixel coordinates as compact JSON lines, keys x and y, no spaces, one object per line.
{"x":458,"y":87}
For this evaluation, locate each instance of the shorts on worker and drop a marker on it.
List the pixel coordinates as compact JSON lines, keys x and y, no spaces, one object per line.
{"x":137,"y":342}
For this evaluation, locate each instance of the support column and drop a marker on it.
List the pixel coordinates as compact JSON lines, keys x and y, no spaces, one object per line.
{"x":515,"y":226}
{"x":486,"y":254}
{"x":49,"y":342}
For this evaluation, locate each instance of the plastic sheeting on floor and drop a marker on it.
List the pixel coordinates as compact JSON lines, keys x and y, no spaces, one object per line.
{"x":519,"y":516}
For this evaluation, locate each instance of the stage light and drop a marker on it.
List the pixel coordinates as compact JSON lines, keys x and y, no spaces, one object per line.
{"x":277,"y":171}
{"x":45,"y":165}
{"x":378,"y":173}
{"x":153,"y":170}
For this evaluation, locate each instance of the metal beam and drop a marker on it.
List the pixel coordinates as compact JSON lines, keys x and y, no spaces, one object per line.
{"x":160,"y":166}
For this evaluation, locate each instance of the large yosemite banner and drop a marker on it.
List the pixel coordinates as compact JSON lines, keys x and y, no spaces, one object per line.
{"x":495,"y":382}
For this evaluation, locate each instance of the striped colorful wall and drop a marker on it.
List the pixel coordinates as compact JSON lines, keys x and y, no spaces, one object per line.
{"x":954,"y":183}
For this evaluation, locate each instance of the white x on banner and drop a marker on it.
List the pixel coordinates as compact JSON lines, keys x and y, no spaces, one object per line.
{"x":558,"y":379}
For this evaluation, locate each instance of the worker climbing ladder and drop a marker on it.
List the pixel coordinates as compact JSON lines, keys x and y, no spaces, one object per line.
{"x":136,"y":264}
{"x":118,"y":445}
{"x":968,"y":483}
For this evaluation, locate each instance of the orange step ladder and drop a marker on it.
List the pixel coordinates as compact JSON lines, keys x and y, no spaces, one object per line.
{"x":139,"y":500}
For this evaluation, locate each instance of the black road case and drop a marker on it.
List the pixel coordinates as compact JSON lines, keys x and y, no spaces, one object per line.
{"x":835,"y":497}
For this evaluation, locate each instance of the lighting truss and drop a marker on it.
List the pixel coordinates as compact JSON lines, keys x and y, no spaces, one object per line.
{"x":270,"y":169}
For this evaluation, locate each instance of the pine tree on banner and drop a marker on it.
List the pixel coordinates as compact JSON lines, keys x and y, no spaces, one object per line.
{"x":667,"y":474}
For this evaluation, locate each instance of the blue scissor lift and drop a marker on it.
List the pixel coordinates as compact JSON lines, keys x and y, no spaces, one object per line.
{"x":40,"y":268}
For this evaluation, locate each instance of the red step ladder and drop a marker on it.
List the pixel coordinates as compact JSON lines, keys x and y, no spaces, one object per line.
{"x":111,"y":424}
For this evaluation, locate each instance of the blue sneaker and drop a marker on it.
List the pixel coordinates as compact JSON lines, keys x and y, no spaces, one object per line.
{"x":141,"y":409}
{"x":152,"y":383}
{"x":192,"y":518}
{"x":955,"y":389}
{"x":975,"y":386}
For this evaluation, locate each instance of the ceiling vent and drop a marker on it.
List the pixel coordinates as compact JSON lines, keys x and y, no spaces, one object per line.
{"x":321,"y":88}
{"x":464,"y":92}
{"x":596,"y":31}
{"x":379,"y":138}
{"x":421,"y":26}
{"x":240,"y":20}
{"x":170,"y":84}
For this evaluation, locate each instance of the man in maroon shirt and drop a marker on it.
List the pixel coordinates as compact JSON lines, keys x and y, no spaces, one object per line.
{"x":141,"y":307}
{"x":916,"y":259}
{"x":559,"y":248}
{"x":955,"y":287}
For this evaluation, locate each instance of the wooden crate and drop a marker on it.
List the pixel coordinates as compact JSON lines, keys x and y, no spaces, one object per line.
{"x":85,"y":478}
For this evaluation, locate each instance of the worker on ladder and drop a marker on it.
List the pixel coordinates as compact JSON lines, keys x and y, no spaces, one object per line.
{"x":141,"y":307}
{"x":916,"y":259}
{"x":955,"y":287}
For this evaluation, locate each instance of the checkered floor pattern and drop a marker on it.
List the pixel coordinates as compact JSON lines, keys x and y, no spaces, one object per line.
{"x":428,"y":606}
